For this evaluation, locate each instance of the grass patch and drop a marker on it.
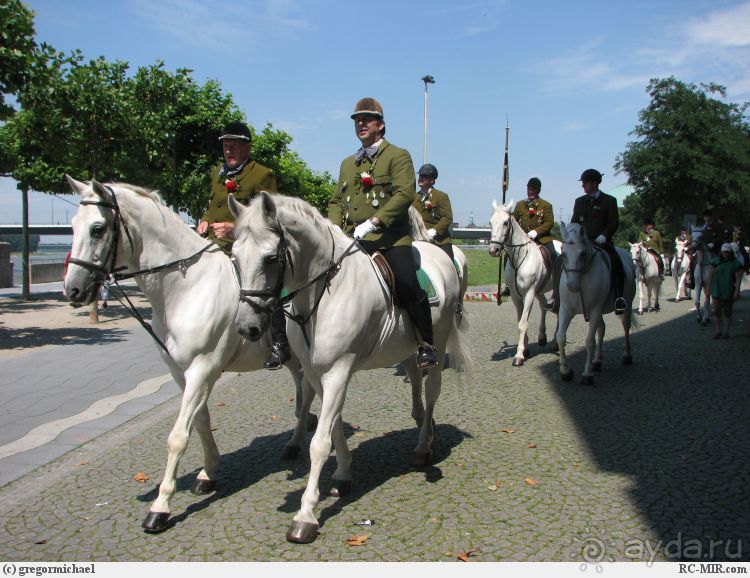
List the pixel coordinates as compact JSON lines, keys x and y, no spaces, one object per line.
{"x":483,"y":267}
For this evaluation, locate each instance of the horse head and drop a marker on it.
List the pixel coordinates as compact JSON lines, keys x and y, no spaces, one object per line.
{"x":95,"y":239}
{"x":500,"y":222}
{"x":577,"y":254}
{"x":261,"y":257}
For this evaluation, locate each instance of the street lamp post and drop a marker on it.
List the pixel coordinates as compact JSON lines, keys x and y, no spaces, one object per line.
{"x":427,"y":79}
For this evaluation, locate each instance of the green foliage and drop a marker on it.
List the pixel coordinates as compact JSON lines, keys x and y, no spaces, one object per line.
{"x":16,"y":242}
{"x":692,"y":153}
{"x":17,"y":48}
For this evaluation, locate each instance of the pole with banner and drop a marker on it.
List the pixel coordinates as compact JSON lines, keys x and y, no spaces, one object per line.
{"x":506,"y":179}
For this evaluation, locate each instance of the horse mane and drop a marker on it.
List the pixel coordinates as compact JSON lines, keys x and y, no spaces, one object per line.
{"x":141,"y":191}
{"x":418,"y":228}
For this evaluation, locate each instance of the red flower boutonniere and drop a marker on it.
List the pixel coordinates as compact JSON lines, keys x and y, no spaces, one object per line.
{"x":366,"y":179}
{"x":532,"y":211}
{"x":231,"y":185}
{"x":428,"y":205}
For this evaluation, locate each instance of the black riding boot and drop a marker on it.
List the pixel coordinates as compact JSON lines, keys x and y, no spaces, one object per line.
{"x":554,"y":305}
{"x":422,"y":317}
{"x":279,"y":352}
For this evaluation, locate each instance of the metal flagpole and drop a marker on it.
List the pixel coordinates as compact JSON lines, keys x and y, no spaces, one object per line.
{"x":506,"y":179}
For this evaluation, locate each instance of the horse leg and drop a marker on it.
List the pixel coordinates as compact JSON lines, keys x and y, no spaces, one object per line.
{"x":194,"y":398}
{"x":523,"y":329}
{"x":627,"y":356}
{"x":204,"y":483}
{"x":542,"y":334}
{"x":304,"y":526}
{"x":657,"y":290}
{"x":587,"y":377}
{"x":306,"y":421}
{"x":641,"y":289}
{"x":341,"y":482}
{"x":423,"y":452}
{"x":596,"y":364}
{"x":563,"y":320}
{"x":415,"y":378}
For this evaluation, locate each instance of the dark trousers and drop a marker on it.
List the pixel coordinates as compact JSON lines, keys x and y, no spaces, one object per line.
{"x":410,"y":294}
{"x":448,"y":248}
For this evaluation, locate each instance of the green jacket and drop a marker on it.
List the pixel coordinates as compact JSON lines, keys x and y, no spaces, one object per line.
{"x":436,"y":213}
{"x":250,"y":181}
{"x":652,"y":240}
{"x":537,"y":216}
{"x":388,"y":198}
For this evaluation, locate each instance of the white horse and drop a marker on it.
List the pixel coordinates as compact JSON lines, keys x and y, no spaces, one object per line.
{"x":346,"y":321}
{"x":680,"y":265}
{"x":701,"y":260}
{"x":649,"y":280}
{"x":527,"y":276}
{"x":194,"y":294}
{"x":585,"y":288}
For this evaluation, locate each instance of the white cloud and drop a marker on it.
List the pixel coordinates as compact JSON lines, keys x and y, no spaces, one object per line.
{"x":209,"y":25}
{"x":729,"y":27}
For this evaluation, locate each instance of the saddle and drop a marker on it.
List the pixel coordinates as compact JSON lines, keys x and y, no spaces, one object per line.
{"x":546,"y":258}
{"x":386,"y":273}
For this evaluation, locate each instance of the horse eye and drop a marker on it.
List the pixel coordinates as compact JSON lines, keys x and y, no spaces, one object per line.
{"x":270,"y":259}
{"x":97,"y":231}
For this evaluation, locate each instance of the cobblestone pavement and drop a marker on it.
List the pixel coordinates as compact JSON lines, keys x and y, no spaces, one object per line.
{"x":652,"y":462}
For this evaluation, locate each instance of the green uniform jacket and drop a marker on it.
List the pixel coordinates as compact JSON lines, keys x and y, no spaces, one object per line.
{"x":437,"y":214}
{"x":541,"y":220}
{"x":652,"y":240}
{"x":388,"y":199}
{"x":600,"y":216}
{"x":250,"y":181}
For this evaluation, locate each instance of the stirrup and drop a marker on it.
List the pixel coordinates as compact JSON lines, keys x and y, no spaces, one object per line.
{"x":277,"y":356}
{"x":620,"y":306}
{"x":426,"y":356}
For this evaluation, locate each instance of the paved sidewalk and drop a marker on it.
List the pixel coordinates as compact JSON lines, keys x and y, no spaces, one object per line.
{"x":650,"y":462}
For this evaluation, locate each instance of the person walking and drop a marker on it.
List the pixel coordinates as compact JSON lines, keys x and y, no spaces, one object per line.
{"x":724,"y":278}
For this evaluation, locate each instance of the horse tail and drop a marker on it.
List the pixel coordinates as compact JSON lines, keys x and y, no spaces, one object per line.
{"x":418,"y":229}
{"x":459,"y":357}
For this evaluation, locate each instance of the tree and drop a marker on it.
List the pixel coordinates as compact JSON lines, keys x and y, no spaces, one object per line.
{"x":17,"y":48}
{"x":693,"y":153}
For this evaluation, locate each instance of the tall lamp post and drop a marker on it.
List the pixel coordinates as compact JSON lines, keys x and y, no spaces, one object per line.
{"x":427,"y":79}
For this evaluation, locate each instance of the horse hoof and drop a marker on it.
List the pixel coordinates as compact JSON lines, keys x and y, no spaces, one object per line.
{"x":651,"y":309}
{"x":340,"y":488}
{"x":542,"y":341}
{"x":657,"y":308}
{"x":290,"y":453}
{"x":567,"y":376}
{"x":517,"y":362}
{"x":312,"y":422}
{"x":596,"y":365}
{"x":155,"y":522}
{"x":627,"y":360}
{"x":302,"y":532}
{"x":640,"y":312}
{"x":419,"y":460}
{"x":526,"y":353}
{"x":202,"y":487}
{"x":555,"y":346}
{"x":587,"y":380}
{"x":704,"y":323}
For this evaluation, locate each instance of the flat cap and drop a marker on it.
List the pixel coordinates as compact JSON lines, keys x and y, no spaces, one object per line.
{"x":236,"y":130}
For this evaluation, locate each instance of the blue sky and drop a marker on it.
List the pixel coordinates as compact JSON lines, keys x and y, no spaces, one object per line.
{"x":571,"y":76}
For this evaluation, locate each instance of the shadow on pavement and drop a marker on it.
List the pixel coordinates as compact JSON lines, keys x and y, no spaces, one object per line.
{"x":677,"y":423}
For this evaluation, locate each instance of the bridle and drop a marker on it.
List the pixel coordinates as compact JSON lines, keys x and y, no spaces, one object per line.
{"x":513,"y":246}
{"x":276,"y":296}
{"x":587,"y":265}
{"x":102,"y":271}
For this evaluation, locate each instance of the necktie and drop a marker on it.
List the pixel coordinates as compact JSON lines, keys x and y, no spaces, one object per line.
{"x":363,"y":152}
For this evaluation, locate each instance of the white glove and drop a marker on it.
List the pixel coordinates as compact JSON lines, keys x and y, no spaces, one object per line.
{"x":710,"y":245}
{"x":600,"y":240}
{"x":431,"y":233}
{"x":532,"y":234}
{"x":363,"y":229}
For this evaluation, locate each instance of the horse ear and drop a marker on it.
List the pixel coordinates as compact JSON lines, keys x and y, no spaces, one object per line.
{"x":511,"y":205}
{"x":76,"y":186}
{"x":99,"y":189}
{"x":269,"y":207}
{"x":563,"y":230}
{"x":235,"y":207}
{"x":494,"y":205}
